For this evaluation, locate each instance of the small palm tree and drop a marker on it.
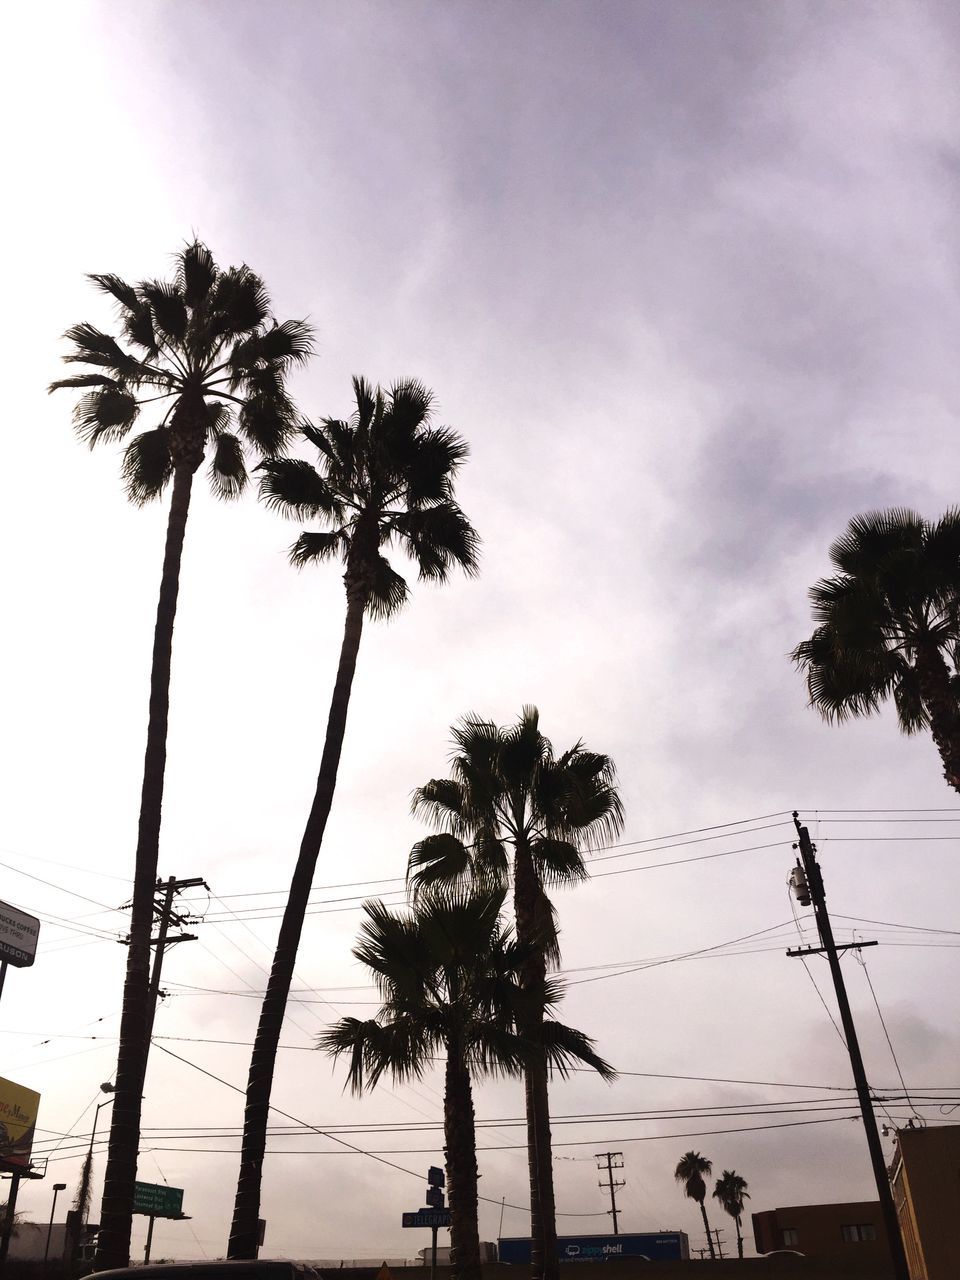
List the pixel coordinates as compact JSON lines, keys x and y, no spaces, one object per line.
{"x":731,"y":1191}
{"x":449,"y":978}
{"x":888,"y":627}
{"x":513,"y":807}
{"x":201,"y":350}
{"x":385,"y":480}
{"x":691,"y":1171}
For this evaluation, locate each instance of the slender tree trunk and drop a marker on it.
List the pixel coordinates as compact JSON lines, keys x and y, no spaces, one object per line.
{"x":943,"y":709}
{"x":113,"y":1244}
{"x":459,"y":1131}
{"x":706,"y":1227}
{"x":529,"y":906}
{"x":243,"y":1233}
{"x":739,"y":1238}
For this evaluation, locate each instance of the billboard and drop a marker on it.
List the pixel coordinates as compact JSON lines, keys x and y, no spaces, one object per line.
{"x":654,"y":1245}
{"x":18,"y":936}
{"x":18,"y":1119}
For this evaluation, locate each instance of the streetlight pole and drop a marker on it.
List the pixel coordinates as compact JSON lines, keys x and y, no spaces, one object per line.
{"x":106,"y":1087}
{"x":57,"y":1188}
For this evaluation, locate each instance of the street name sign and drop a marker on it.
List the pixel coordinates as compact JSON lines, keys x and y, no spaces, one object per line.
{"x":157,"y":1201}
{"x":18,"y":936}
{"x":427,"y":1218}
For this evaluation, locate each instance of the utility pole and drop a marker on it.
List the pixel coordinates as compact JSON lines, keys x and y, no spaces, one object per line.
{"x":165,"y":916}
{"x":807,"y":883}
{"x":717,"y":1232}
{"x":614,"y":1160}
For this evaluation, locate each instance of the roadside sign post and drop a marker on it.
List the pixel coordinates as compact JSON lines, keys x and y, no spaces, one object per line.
{"x":155,"y":1200}
{"x":434,"y":1216}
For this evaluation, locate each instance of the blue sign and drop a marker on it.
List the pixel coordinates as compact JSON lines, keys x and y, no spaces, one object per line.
{"x":653,"y":1245}
{"x":427,"y":1218}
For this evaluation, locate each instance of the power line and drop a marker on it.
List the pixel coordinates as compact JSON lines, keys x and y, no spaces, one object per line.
{"x":356,"y":1150}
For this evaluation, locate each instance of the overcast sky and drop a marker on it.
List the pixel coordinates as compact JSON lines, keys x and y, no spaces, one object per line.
{"x":685,"y":276}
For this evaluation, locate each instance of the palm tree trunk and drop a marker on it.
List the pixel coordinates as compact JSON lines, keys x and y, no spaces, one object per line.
{"x":739,"y":1238}
{"x":544,"y":1263}
{"x":459,"y":1132}
{"x":113,"y":1244}
{"x":243,"y":1233}
{"x":942,"y":707}
{"x":706,"y":1227}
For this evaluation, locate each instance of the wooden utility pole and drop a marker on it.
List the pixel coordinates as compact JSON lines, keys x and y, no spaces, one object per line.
{"x":808,"y":887}
{"x":610,"y":1160}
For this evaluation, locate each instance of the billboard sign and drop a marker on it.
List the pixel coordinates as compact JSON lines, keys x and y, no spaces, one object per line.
{"x":18,"y":936}
{"x":653,"y":1245}
{"x":18,"y":1121}
{"x":157,"y":1201}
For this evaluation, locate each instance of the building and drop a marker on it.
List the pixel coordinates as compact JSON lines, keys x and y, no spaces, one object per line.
{"x":925,"y":1175}
{"x":853,"y":1230}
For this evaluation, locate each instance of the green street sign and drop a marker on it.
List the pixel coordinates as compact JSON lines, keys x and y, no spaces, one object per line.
{"x":157,"y":1201}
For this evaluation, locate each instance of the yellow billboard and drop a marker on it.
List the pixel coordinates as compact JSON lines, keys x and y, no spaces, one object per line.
{"x":18,"y":1120}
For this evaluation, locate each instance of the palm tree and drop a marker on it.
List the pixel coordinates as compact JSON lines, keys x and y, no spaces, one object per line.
{"x":202,"y":350}
{"x":691,"y":1171}
{"x":888,"y":626}
{"x":449,"y":978}
{"x":731,"y":1191}
{"x":510,"y":791}
{"x":385,"y":480}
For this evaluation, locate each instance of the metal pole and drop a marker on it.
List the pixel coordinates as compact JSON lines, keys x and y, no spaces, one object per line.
{"x":146,"y":1252}
{"x":9,"y":1219}
{"x":818,"y":899}
{"x":57,"y":1188}
{"x":433,"y":1254}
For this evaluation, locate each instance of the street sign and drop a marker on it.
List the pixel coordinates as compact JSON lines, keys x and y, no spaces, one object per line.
{"x":157,"y":1201}
{"x":427,"y":1218}
{"x":18,"y":936}
{"x":435,"y":1177}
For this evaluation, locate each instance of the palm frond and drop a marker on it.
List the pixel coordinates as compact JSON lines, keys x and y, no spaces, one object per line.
{"x":437,"y":538}
{"x":124,"y":293}
{"x":97,"y":348}
{"x":311,"y":547}
{"x":567,"y":1048}
{"x":238,"y":303}
{"x":557,"y":862}
{"x":228,"y":471}
{"x":167,"y":307}
{"x":388,"y":590}
{"x":196,"y":273}
{"x":147,"y":466}
{"x":436,"y":860}
{"x":106,"y":413}
{"x":295,"y":489}
{"x":85,"y":380}
{"x":440,"y":802}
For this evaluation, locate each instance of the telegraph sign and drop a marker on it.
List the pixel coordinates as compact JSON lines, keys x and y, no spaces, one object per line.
{"x":427,"y":1218}
{"x":18,"y":936}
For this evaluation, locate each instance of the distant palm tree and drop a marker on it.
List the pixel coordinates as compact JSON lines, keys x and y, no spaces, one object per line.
{"x":731,"y":1191}
{"x":385,"y":480}
{"x":691,"y":1171}
{"x":888,"y":627}
{"x":449,"y":978}
{"x":201,"y":349}
{"x":510,"y":794}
